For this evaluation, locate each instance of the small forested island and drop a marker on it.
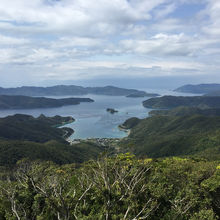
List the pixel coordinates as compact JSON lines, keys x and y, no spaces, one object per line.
{"x":61,"y":90}
{"x":167,"y":102}
{"x":200,"y":89}
{"x":27,"y":102}
{"x":142,"y":94}
{"x":111,"y":110}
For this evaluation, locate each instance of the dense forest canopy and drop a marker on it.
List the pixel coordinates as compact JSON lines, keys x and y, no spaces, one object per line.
{"x":121,"y":187}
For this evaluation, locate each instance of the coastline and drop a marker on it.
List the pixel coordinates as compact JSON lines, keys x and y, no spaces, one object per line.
{"x":64,"y":123}
{"x":122,"y":128}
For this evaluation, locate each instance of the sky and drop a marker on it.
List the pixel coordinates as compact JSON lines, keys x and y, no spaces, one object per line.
{"x":51,"y":41}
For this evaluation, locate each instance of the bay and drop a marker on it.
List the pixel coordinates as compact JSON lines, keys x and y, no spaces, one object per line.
{"x":92,"y":119}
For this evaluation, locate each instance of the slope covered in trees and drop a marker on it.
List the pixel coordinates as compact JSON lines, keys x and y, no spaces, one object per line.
{"x":61,"y":90}
{"x":59,"y":153}
{"x":167,"y":102}
{"x":183,"y":110}
{"x":112,"y":188}
{"x":161,"y":136}
{"x":41,"y":129}
{"x":200,"y":89}
{"x":26,"y":102}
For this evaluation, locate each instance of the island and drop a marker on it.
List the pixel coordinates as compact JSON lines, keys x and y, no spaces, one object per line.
{"x":62,"y":90}
{"x":199,"y":89}
{"x":26,"y":102}
{"x":40,"y":129}
{"x":167,"y":102}
{"x":111,"y":110}
{"x":141,"y":94}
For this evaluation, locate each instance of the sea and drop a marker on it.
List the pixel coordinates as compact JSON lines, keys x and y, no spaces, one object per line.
{"x":91,"y":118}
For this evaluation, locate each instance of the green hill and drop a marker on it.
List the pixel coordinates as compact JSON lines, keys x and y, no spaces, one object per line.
{"x":167,"y":102}
{"x":161,"y":136}
{"x":130,"y":123}
{"x":62,"y":90}
{"x":60,"y":153}
{"x":142,"y":94}
{"x":215,"y":93}
{"x":200,"y":89}
{"x":183,"y":110}
{"x":26,"y":102}
{"x":112,"y":188}
{"x":41,"y":129}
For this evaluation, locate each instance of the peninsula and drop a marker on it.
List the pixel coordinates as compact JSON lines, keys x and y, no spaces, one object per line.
{"x":26,"y":102}
{"x":141,"y":94}
{"x":167,"y":102}
{"x":199,"y":89}
{"x":41,"y":129}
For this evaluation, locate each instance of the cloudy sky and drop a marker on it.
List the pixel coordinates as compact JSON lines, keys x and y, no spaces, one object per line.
{"x":49,"y":40}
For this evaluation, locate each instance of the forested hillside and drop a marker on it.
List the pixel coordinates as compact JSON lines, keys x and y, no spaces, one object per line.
{"x":41,"y":129}
{"x":59,"y":153}
{"x":162,"y":136}
{"x":200,"y":89}
{"x":117,"y":188}
{"x":166,"y":102}
{"x":27,"y":102}
{"x":62,"y":90}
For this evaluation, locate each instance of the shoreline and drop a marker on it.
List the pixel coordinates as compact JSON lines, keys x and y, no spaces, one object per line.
{"x":127,"y":130}
{"x":99,"y":139}
{"x":64,"y":123}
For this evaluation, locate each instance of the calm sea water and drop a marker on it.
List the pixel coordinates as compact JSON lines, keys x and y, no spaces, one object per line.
{"x":92,"y":120}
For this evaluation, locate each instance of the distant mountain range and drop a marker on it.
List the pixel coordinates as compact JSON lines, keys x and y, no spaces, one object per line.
{"x":61,"y":90}
{"x":26,"y":102}
{"x":208,"y":89}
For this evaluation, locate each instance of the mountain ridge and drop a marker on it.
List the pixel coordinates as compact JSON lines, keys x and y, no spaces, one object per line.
{"x":199,"y":88}
{"x":27,"y":102}
{"x":61,"y":90}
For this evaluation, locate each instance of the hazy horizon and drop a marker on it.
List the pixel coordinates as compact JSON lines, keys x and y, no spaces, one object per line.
{"x":169,"y":83}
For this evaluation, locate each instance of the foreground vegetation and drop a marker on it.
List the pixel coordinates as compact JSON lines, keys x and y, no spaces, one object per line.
{"x":122,"y":187}
{"x":176,"y":174}
{"x":60,"y":153}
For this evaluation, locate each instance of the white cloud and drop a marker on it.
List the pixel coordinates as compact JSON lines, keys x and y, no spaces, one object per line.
{"x":212,"y":12}
{"x":7,"y":40}
{"x":76,"y":16}
{"x":165,"y":10}
{"x":160,"y":44}
{"x":91,"y":38}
